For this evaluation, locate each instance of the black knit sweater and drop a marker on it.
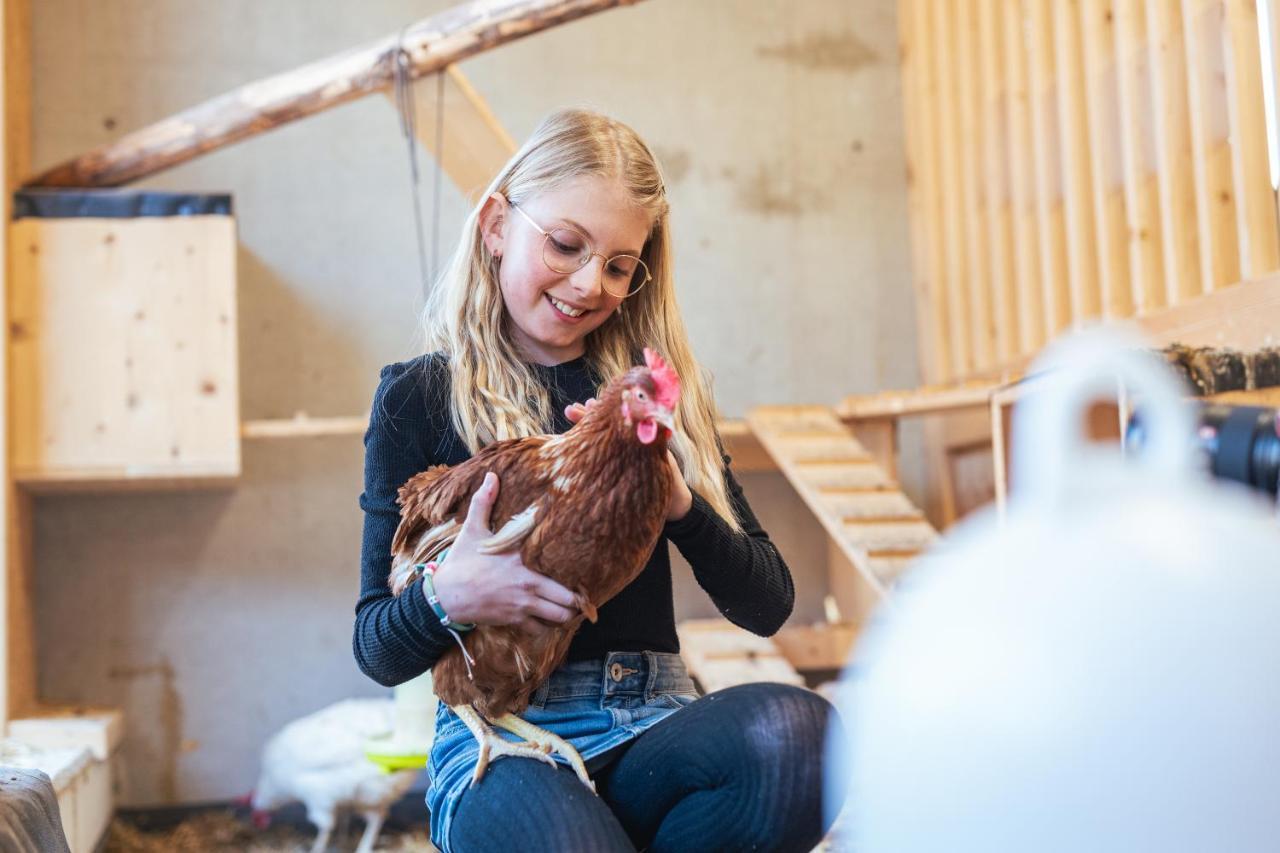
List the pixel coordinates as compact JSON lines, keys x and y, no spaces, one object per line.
{"x":398,"y":638}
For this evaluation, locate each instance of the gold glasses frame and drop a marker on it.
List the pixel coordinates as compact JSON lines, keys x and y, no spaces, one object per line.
{"x":586,"y":256}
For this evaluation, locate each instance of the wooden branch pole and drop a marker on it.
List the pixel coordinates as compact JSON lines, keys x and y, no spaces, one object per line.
{"x":432,"y":45}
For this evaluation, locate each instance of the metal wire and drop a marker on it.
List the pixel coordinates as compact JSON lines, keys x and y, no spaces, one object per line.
{"x":406,"y":108}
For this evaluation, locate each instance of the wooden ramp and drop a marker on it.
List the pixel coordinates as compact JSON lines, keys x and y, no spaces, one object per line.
{"x":876,"y":526}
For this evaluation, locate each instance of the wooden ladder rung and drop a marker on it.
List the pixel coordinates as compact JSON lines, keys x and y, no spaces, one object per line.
{"x":902,"y":536}
{"x":826,"y":476}
{"x":879,"y":503}
{"x":882,"y":519}
{"x":887,"y":569}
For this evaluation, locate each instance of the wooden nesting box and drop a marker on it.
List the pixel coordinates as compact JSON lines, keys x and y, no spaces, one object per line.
{"x":80,"y":750}
{"x":123,"y":339}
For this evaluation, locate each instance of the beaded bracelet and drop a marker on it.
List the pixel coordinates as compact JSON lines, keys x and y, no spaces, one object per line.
{"x":428,"y":571}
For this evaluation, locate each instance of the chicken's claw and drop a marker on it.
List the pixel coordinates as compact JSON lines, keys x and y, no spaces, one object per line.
{"x":493,"y":746}
{"x":547,"y":741}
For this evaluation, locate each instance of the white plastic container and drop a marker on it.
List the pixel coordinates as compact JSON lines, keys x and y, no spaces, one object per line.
{"x":1102,"y":672}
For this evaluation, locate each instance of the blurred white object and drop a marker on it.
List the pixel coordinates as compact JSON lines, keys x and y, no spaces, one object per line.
{"x":320,"y":759}
{"x":1101,"y":673}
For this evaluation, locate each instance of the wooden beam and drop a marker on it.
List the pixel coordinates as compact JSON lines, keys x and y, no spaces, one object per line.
{"x":1244,"y":317}
{"x":475,"y":145}
{"x":924,"y":193}
{"x":977,"y":207}
{"x":1202,"y":25}
{"x":891,"y":405}
{"x":1172,"y":129}
{"x":432,"y":45}
{"x":999,"y":207}
{"x":880,"y":439}
{"x":17,"y":600}
{"x":1102,"y":108}
{"x":1259,"y":241}
{"x":1267,"y":397}
{"x":1141,"y":201}
{"x":1073,"y":137}
{"x":1048,"y":170}
{"x":303,"y":425}
{"x":1026,"y":249}
{"x":739,"y":442}
{"x":953,"y":217}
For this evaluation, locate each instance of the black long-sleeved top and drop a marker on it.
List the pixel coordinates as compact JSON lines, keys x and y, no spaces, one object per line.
{"x":398,"y":638}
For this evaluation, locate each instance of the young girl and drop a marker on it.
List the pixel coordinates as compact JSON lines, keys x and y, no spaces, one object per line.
{"x":562,"y":276}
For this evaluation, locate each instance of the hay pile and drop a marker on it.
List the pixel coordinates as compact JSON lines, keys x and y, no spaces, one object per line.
{"x":223,"y":832}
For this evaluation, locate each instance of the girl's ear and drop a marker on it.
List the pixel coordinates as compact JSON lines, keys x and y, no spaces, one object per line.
{"x":493,"y":218}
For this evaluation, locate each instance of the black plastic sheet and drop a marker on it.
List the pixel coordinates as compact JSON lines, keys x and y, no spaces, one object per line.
{"x":116,"y":204}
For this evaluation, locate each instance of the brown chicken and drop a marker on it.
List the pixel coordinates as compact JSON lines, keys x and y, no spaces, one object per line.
{"x":584,"y":508}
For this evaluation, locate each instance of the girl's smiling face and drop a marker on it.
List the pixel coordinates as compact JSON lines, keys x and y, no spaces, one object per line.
{"x":598,"y":207}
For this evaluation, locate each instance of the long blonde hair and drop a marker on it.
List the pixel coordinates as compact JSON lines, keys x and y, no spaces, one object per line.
{"x":495,"y":395}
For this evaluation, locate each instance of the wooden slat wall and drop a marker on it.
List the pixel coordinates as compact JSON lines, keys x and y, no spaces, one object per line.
{"x":1078,"y":159}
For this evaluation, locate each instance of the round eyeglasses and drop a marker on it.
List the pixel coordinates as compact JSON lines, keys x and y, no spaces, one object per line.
{"x":566,"y":250}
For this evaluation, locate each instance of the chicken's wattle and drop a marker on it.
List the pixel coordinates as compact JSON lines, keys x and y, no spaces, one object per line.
{"x":647,"y":431}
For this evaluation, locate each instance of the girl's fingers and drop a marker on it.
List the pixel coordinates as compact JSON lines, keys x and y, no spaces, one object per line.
{"x":482,"y":504}
{"x":575,"y":411}
{"x":545,"y":588}
{"x":549,"y":611}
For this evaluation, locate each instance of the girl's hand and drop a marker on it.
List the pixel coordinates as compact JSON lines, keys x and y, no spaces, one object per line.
{"x":496,"y":589}
{"x":577,"y":411}
{"x":681,"y":497}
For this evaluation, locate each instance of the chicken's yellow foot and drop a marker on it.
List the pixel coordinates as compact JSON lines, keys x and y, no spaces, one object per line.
{"x":548,"y":742}
{"x":493,"y":746}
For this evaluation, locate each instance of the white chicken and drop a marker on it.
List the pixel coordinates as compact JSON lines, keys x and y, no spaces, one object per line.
{"x":322,"y":760}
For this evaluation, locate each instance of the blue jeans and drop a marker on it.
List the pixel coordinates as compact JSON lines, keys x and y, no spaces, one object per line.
{"x":595,"y":705}
{"x":738,"y":769}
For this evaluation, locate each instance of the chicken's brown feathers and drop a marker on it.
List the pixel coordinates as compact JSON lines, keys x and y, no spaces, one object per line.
{"x":598,"y":497}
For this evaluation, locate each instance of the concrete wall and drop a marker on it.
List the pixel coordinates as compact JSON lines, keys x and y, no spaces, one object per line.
{"x":215,"y":617}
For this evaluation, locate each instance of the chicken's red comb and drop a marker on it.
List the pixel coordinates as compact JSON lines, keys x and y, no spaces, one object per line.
{"x":665,"y":380}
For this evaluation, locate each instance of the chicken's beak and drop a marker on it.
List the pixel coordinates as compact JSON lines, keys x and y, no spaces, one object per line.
{"x":665,"y":418}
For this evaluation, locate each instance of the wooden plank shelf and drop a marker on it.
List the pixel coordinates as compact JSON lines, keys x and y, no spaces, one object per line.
{"x":890,"y":405}
{"x":739,"y":442}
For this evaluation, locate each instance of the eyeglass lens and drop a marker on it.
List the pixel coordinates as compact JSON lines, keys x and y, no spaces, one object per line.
{"x":566,"y":251}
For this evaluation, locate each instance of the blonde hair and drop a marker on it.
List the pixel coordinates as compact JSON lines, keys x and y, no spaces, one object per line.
{"x":495,"y":395}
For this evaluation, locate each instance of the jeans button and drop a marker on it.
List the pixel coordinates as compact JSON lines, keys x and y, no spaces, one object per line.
{"x":615,"y":671}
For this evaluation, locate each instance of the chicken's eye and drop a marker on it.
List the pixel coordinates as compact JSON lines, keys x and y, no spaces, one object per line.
{"x":640,"y":395}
